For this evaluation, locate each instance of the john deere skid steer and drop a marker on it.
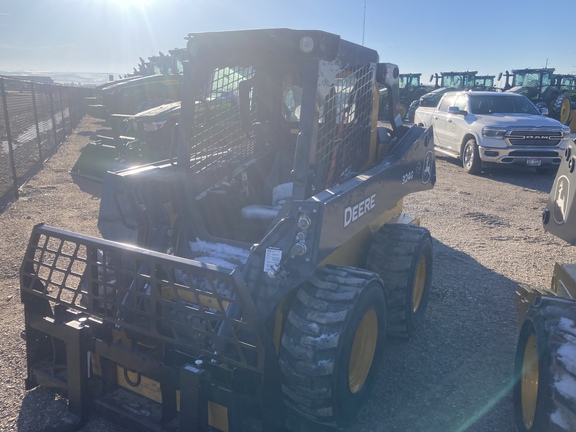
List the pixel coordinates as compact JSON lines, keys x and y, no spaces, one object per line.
{"x":255,"y":275}
{"x":545,"y":372}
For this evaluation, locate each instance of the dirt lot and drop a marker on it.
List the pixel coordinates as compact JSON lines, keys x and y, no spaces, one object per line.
{"x":453,"y":375}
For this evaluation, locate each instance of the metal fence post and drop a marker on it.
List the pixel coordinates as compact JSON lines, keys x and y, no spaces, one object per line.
{"x":53,"y":119}
{"x":63,"y":116}
{"x":71,"y":107}
{"x":9,"y":137}
{"x":38,"y":136}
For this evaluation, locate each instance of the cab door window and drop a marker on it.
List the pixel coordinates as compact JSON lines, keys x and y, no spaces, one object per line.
{"x":446,"y":103}
{"x":461,"y":103}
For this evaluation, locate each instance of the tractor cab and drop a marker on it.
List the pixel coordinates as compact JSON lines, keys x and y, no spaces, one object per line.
{"x":484,"y":82}
{"x":458,"y":80}
{"x":532,"y":83}
{"x":546,"y":91}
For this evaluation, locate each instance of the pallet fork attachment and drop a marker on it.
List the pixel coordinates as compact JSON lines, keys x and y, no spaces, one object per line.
{"x":201,"y":346}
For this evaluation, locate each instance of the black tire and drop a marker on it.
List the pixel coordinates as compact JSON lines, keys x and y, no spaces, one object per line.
{"x":401,"y":255}
{"x":402,"y":110}
{"x":471,"y":157}
{"x":562,"y":109}
{"x":327,"y":372}
{"x":544,"y":367}
{"x":412,"y":110}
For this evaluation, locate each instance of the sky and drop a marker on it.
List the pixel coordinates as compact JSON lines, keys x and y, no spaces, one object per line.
{"x":420,"y":36}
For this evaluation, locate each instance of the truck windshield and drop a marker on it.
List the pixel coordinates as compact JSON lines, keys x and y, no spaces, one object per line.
{"x":500,"y":104}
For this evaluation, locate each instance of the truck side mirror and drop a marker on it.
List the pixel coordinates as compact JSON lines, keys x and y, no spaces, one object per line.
{"x":458,"y":111}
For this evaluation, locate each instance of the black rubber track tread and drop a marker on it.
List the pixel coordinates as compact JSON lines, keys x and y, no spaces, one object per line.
{"x":555,"y":322}
{"x":310,"y":342}
{"x":391,"y":257}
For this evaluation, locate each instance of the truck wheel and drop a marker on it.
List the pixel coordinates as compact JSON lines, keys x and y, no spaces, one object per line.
{"x":544,"y":373}
{"x":332,"y":345}
{"x":471,"y":157}
{"x":562,"y":109}
{"x":402,"y":256}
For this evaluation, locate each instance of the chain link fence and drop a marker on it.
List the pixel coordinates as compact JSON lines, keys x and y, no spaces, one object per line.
{"x":36,"y":118}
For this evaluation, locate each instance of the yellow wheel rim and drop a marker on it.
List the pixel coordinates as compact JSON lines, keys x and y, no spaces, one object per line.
{"x":565,"y":111}
{"x":419,"y":284}
{"x":402,"y":110}
{"x":363,"y":349}
{"x":529,"y":382}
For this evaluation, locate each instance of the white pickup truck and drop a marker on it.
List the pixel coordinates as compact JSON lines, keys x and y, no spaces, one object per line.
{"x":485,"y":129}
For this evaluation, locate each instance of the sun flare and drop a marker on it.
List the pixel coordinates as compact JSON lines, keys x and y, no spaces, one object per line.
{"x":130,"y":4}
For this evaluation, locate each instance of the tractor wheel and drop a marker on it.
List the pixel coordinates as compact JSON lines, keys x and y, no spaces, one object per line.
{"x":545,"y":377}
{"x":471,"y":157}
{"x":402,"y":256}
{"x":562,"y":109}
{"x":332,"y":345}
{"x":402,"y":109}
{"x":412,"y":110}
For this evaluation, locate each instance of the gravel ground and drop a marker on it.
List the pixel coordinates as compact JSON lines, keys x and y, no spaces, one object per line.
{"x":454,"y":374}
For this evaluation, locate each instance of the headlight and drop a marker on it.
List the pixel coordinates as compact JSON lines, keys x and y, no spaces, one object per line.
{"x":493,"y":132}
{"x":566,"y":131}
{"x":306,"y":44}
{"x":153,"y":126}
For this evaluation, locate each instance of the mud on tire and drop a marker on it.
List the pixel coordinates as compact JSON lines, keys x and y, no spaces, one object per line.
{"x":332,"y":345}
{"x":402,"y":256}
{"x":545,"y":367}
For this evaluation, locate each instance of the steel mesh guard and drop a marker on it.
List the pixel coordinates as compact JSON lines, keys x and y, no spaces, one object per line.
{"x":343,"y":142}
{"x":219,"y":141}
{"x":201,"y":308}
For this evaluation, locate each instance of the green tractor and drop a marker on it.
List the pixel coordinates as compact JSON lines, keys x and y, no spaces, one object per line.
{"x":133,"y":140}
{"x":411,"y":89}
{"x":157,"y":82}
{"x":545,"y":91}
{"x":485,"y":82}
{"x":567,"y":85}
{"x":136,"y":109}
{"x":446,"y":81}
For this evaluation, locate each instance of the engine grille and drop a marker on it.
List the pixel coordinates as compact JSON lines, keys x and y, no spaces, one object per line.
{"x":534,"y":138}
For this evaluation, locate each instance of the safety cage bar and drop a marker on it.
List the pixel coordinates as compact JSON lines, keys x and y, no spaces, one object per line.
{"x":200,"y":308}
